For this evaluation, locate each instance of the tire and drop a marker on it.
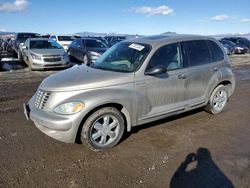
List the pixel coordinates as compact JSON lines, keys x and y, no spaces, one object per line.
{"x":99,"y":126}
{"x":218,"y":100}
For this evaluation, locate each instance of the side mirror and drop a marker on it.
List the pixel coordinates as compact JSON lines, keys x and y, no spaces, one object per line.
{"x":156,"y":70}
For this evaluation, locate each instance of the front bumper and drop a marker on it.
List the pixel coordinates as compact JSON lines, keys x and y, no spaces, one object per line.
{"x":42,"y":64}
{"x":62,"y":128}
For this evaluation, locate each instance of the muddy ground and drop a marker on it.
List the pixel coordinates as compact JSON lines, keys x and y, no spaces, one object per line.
{"x":194,"y":149}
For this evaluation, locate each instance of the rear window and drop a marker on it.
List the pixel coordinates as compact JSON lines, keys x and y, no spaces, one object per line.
{"x":216,"y":51}
{"x":95,"y":44}
{"x":198,"y":52}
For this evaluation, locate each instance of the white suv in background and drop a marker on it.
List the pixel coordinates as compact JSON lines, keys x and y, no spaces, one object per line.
{"x":63,"y":40}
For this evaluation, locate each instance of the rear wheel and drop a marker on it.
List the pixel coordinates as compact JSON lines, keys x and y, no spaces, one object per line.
{"x":218,"y":100}
{"x":103,"y":129}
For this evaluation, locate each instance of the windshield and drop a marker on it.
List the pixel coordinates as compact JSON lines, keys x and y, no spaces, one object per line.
{"x":123,"y":57}
{"x":66,"y":38}
{"x":95,"y":44}
{"x":43,"y":44}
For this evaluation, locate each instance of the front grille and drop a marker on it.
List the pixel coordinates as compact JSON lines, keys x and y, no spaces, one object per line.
{"x":41,"y":99}
{"x":55,"y":59}
{"x":58,"y":55}
{"x":52,"y":65}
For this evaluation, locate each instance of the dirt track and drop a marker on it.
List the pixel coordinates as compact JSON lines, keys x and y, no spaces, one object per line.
{"x":153,"y":155}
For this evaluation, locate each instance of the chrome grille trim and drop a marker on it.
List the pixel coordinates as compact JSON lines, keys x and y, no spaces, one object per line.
{"x":41,"y":99}
{"x":54,"y":59}
{"x":58,"y":55}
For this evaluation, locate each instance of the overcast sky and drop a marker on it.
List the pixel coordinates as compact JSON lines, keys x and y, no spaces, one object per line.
{"x":126,"y":16}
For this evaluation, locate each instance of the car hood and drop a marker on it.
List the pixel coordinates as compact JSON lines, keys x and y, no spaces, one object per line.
{"x":83,"y":77}
{"x":48,"y":51}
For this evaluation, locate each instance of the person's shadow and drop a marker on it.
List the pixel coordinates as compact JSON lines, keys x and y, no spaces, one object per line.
{"x":199,"y":171}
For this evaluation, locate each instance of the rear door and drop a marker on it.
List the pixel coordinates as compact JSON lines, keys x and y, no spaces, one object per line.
{"x":202,"y":71}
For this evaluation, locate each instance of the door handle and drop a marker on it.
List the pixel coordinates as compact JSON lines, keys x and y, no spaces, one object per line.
{"x":182,"y":76}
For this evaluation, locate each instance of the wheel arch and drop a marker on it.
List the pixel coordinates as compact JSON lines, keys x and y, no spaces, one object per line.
{"x":225,"y":83}
{"x":118,"y":106}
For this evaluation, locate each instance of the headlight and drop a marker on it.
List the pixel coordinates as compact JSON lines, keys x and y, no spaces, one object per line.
{"x":69,"y":108}
{"x":35,"y":56}
{"x":94,"y":53}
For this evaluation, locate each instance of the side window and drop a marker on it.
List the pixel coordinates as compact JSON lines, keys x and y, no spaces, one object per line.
{"x":169,"y":56}
{"x":216,"y":51}
{"x":198,"y":52}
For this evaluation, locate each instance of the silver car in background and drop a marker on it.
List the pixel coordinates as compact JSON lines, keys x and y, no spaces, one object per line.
{"x":40,"y":53}
{"x":134,"y":82}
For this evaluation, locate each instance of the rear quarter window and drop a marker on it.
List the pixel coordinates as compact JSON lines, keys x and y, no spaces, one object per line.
{"x":198,"y":52}
{"x":217,"y":53}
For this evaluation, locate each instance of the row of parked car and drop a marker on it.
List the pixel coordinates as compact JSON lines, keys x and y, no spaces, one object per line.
{"x":45,"y":51}
{"x":50,"y":51}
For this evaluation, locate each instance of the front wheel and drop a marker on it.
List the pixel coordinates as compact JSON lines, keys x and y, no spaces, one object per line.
{"x":218,"y":100}
{"x":103,"y":129}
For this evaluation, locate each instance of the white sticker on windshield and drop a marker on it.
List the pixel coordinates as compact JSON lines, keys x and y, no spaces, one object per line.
{"x":136,"y":46}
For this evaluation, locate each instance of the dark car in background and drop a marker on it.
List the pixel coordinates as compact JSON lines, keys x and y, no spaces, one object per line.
{"x":239,"y":40}
{"x":19,"y":42}
{"x":237,"y":48}
{"x":86,"y":50}
{"x":114,"y":39}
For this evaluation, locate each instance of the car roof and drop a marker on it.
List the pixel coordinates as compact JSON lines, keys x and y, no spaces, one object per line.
{"x":164,"y":38}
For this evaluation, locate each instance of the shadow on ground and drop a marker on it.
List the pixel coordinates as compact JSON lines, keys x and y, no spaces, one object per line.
{"x":198,"y":170}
